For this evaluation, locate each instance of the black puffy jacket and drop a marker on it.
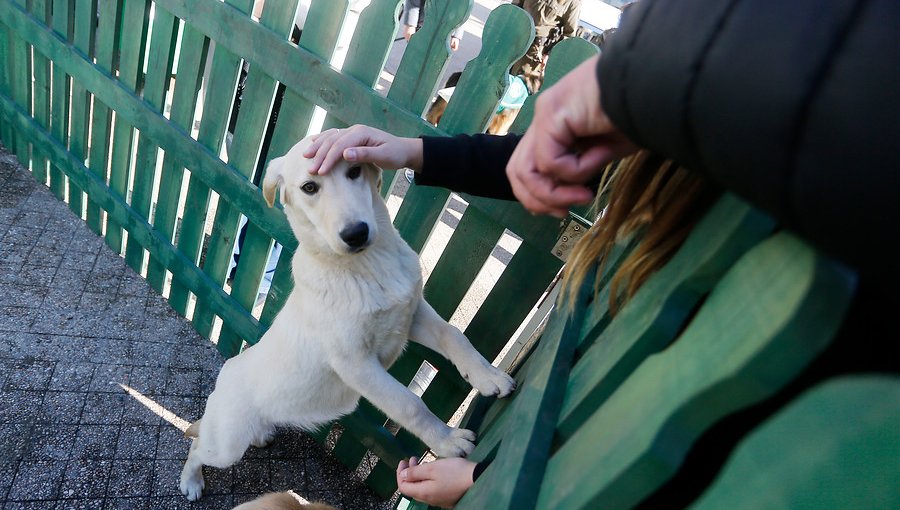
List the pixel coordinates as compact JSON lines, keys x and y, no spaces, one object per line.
{"x":793,"y":105}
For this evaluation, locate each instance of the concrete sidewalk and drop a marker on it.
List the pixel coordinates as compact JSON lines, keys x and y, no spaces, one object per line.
{"x":98,"y":375}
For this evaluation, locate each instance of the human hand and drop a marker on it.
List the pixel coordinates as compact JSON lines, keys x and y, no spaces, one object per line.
{"x":363,"y":144}
{"x":568,"y":143}
{"x":408,"y":31}
{"x":454,"y":43}
{"x":441,"y":483}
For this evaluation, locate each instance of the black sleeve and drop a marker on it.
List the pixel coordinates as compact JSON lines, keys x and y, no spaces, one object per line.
{"x":474,"y":164}
{"x":795,"y":106}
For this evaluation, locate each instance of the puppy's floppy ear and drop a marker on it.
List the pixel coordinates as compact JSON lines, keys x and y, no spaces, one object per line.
{"x":379,"y":177}
{"x":274,"y":178}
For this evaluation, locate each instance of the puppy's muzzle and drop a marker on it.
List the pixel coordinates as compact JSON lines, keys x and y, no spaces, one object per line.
{"x":356,"y":236}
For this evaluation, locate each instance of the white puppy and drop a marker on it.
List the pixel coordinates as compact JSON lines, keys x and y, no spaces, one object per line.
{"x":357,"y":298}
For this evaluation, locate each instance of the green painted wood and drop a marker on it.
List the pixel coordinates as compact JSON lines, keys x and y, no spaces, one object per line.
{"x":41,"y":108}
{"x":282,"y":284}
{"x":781,"y":303}
{"x":367,"y":54}
{"x":473,"y":241}
{"x":320,"y":39}
{"x":598,"y":316}
{"x":6,"y":132}
{"x":156,"y":82}
{"x":109,"y":12}
{"x":537,"y":404}
{"x":83,"y":22}
{"x":656,"y":313}
{"x":135,"y":19}
{"x":221,"y":86}
{"x":366,"y":426}
{"x":20,"y":79}
{"x":204,"y":163}
{"x":509,"y":28}
{"x":121,"y":212}
{"x":836,"y":446}
{"x":427,"y":54}
{"x":298,"y":69}
{"x":371,"y":43}
{"x":191,"y":62}
{"x":59,"y":108}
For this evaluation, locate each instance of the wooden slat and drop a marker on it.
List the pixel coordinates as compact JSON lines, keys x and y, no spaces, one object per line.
{"x":655,"y":315}
{"x":372,"y":41}
{"x":6,"y":132}
{"x":217,"y":103}
{"x":109,"y":12}
{"x":836,"y":446}
{"x":84,"y":18}
{"x":20,"y":81}
{"x":121,"y":212}
{"x":191,"y":62}
{"x":423,"y":205}
{"x":297,"y":68}
{"x":135,"y":19}
{"x":780,"y":305}
{"x":59,"y":108}
{"x":536,"y":406}
{"x":428,"y":53}
{"x":156,"y":81}
{"x":41,"y":111}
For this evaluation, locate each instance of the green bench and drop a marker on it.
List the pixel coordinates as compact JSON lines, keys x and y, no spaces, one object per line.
{"x":608,"y":409}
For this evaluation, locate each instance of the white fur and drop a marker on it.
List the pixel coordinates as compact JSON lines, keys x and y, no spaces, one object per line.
{"x":347,"y":320}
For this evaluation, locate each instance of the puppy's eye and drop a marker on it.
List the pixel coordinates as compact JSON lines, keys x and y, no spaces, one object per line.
{"x":310,"y":188}
{"x":354,"y":172}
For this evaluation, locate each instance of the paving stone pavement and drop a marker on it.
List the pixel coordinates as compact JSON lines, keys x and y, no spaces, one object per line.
{"x":85,"y":347}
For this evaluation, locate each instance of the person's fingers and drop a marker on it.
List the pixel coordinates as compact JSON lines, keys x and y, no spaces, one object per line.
{"x":402,"y":465}
{"x":381,"y":155}
{"x":318,"y":150}
{"x":541,"y":194}
{"x":330,"y":148}
{"x":413,"y":461}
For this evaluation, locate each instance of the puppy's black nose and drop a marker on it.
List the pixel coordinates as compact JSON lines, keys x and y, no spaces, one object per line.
{"x":356,"y":235}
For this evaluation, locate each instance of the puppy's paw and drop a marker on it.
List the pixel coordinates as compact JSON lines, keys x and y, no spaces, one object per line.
{"x":458,"y":443}
{"x":492,"y":382}
{"x":192,"y":484}
{"x":264,"y":440}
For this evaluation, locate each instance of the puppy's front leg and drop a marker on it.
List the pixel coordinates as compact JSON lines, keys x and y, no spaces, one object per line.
{"x":432,"y":331}
{"x":368,"y":378}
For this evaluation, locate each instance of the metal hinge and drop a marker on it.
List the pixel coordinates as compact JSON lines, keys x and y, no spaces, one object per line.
{"x":571,"y":233}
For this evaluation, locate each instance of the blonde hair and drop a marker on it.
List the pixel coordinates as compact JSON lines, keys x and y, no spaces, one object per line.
{"x":648,"y":196}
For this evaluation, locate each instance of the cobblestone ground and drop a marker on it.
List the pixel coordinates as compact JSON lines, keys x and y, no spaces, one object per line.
{"x":96,"y":372}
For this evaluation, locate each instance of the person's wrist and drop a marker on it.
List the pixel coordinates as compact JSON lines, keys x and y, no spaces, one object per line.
{"x":413,"y":150}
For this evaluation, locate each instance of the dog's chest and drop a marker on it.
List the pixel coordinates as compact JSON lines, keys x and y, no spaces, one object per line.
{"x":387,"y":319}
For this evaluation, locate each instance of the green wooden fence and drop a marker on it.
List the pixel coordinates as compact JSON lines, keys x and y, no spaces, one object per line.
{"x":98,"y":98}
